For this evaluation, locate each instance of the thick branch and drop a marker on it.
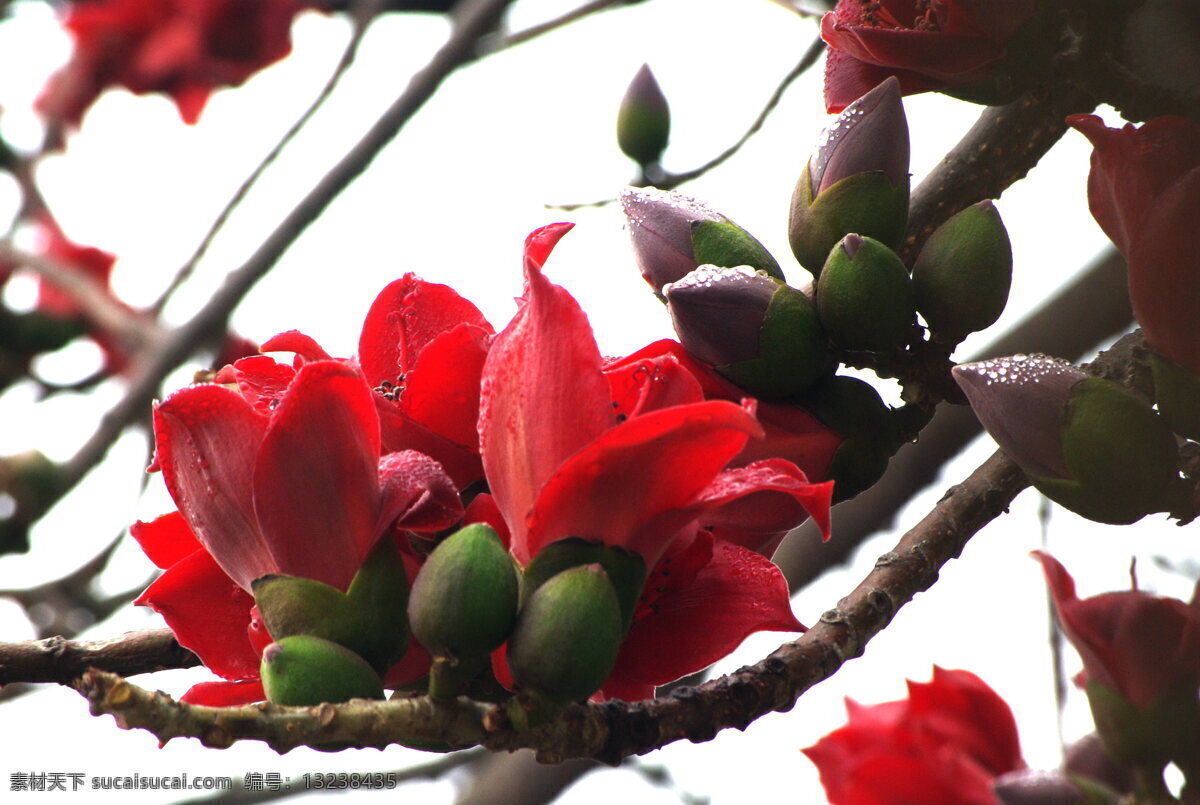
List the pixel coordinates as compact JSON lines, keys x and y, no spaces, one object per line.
{"x":57,"y":660}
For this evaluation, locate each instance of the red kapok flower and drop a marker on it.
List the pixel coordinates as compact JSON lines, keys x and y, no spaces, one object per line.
{"x":945,"y":743}
{"x":1135,"y":644}
{"x":563,"y":460}
{"x":299,"y":488}
{"x":185,"y":48}
{"x":1144,"y":190}
{"x":927,"y":44}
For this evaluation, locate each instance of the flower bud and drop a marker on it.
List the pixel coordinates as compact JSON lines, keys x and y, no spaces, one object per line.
{"x":1086,"y":443}
{"x":464,"y":600}
{"x":302,"y":670}
{"x":1176,"y":391}
{"x":626,"y":571}
{"x":760,"y":333}
{"x":857,"y":181}
{"x":661,"y":225}
{"x":368,"y":619}
{"x":644,"y":120}
{"x":854,"y":410}
{"x":567,"y":636}
{"x":865,"y":296}
{"x":1087,"y":758}
{"x":963,"y":273}
{"x":1030,"y":787}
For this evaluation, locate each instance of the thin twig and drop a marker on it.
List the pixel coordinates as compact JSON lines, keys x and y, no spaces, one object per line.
{"x":542,"y":28}
{"x":473,"y":18}
{"x":362,"y":14}
{"x":670,"y":181}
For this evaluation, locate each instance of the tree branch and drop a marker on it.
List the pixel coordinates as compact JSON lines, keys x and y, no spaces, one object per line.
{"x":57,"y":660}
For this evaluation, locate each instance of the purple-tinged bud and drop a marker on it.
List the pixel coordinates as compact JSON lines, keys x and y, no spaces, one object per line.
{"x":869,"y":136}
{"x":857,"y":181}
{"x":661,"y":226}
{"x":1088,"y":758}
{"x":1088,"y":444}
{"x":644,"y":120}
{"x":760,"y":333}
{"x":1030,"y":787}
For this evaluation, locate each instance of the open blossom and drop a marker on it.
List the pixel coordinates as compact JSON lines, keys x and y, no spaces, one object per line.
{"x":300,"y":469}
{"x":640,"y":463}
{"x":184,"y":48}
{"x":946,"y":742}
{"x":926,"y":44}
{"x":1144,"y":190}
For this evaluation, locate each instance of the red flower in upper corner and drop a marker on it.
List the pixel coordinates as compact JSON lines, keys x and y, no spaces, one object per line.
{"x":927,"y":44}
{"x":185,"y":48}
{"x":286,"y":480}
{"x":1135,"y":644}
{"x":946,"y":742}
{"x":639,"y":463}
{"x":1144,"y":190}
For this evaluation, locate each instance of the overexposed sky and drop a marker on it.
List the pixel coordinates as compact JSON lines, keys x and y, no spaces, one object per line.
{"x":452,"y":199}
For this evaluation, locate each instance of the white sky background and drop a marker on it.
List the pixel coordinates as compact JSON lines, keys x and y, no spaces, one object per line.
{"x":453,"y":199}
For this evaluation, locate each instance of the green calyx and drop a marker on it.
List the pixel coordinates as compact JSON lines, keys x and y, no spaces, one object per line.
{"x":793,"y":352}
{"x":853,"y":409}
{"x":725,"y":244}
{"x":1120,"y":454}
{"x":464,"y":600}
{"x":865,"y":297}
{"x":568,"y":635}
{"x":865,"y":203}
{"x":625,"y":570}
{"x":303,"y":670}
{"x":964,"y":272}
{"x":1176,"y":391}
{"x":368,"y":619}
{"x":1162,"y":732}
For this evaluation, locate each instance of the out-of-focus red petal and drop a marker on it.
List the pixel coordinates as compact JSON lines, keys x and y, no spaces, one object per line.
{"x":208,"y":613}
{"x":316,"y":486}
{"x":165,"y":540}
{"x":407,"y":315}
{"x":225,"y":694}
{"x":262,"y":381}
{"x":417,"y":494}
{"x":736,"y":594}
{"x":630,"y":487}
{"x":304,"y":346}
{"x":411,"y":667}
{"x":939,"y":55}
{"x":206,"y":440}
{"x":500,"y":668}
{"x":401,"y":432}
{"x":441,"y":390}
{"x":629,"y":690}
{"x":967,"y":713}
{"x":544,"y":396}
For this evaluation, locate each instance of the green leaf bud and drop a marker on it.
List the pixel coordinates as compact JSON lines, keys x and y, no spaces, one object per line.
{"x":302,"y":670}
{"x":865,"y":296}
{"x":854,"y":409}
{"x":464,"y":600}
{"x":724,"y":243}
{"x":568,"y":635}
{"x":963,"y":273}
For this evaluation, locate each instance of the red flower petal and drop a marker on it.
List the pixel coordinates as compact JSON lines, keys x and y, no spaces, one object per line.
{"x":417,"y":494}
{"x":304,"y":346}
{"x":640,"y":385}
{"x":208,"y":613}
{"x":206,"y":439}
{"x":316,"y":487}
{"x":441,"y":390}
{"x":966,"y":712}
{"x":630,"y":487}
{"x":400,"y":432}
{"x":165,"y":540}
{"x":262,"y":381}
{"x":483,"y":509}
{"x":736,"y":594}
{"x":543,"y":395}
{"x":225,"y":694}
{"x":407,"y":315}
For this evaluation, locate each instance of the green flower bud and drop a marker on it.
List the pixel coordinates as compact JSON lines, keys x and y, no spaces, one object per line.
{"x":963,"y":273}
{"x":644,"y":120}
{"x":302,"y":670}
{"x":368,"y":619}
{"x":464,"y":600}
{"x":724,"y":243}
{"x":567,"y":636}
{"x":853,"y":409}
{"x":626,"y":571}
{"x":857,"y":181}
{"x":865,"y":296}
{"x":1176,"y":391}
